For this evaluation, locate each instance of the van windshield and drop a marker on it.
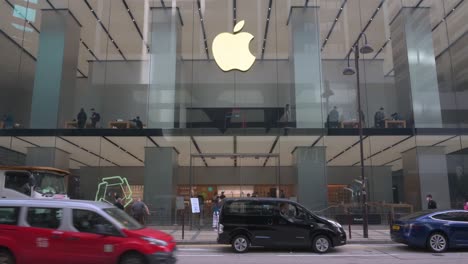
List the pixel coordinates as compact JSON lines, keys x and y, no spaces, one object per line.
{"x":123,"y":218}
{"x":49,"y":183}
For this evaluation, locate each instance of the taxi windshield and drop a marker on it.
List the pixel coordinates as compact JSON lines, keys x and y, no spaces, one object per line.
{"x":49,"y":183}
{"x":123,"y":218}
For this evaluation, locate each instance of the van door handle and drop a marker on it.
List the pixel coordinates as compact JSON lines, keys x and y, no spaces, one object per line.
{"x":73,"y":238}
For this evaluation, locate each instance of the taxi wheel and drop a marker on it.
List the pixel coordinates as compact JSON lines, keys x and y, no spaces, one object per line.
{"x":321,"y":244}
{"x":437,"y":242}
{"x":6,"y":257}
{"x":132,"y":258}
{"x":240,"y":244}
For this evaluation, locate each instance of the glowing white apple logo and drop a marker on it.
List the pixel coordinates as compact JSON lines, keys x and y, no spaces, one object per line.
{"x":231,"y":51}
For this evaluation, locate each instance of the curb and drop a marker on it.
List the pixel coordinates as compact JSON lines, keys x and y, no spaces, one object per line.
{"x":349,"y":242}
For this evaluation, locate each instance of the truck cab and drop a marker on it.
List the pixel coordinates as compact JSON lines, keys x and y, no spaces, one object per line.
{"x":33,"y":182}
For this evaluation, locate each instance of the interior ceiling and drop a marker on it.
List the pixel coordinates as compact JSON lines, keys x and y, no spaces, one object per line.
{"x":119,"y":29}
{"x":129,"y":151}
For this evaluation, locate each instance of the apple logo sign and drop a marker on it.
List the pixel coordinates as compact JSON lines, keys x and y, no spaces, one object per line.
{"x":231,"y":51}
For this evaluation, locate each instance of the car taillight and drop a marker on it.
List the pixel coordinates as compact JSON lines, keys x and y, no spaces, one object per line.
{"x":413,"y":227}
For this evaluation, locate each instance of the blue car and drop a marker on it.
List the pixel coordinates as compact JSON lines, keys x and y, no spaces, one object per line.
{"x":434,"y":230}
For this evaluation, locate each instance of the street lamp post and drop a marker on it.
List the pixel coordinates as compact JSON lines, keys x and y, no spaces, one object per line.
{"x":365,"y":49}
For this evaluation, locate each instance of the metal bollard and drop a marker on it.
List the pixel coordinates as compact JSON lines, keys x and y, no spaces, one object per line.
{"x":349,"y":225}
{"x":183,"y":225}
{"x":390,"y":220}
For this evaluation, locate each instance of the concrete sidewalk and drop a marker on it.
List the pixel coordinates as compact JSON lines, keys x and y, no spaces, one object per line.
{"x":377,"y":235}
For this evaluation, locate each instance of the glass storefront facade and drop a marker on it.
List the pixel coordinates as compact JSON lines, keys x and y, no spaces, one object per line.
{"x":160,"y":111}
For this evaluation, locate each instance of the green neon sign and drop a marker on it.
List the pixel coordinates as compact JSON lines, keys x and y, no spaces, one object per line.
{"x":114,"y":184}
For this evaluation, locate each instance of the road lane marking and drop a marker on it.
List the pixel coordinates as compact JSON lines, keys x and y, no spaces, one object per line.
{"x":196,"y":255}
{"x":336,"y":255}
{"x":195,"y":249}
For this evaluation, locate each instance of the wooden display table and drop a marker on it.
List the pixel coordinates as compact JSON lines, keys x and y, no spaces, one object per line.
{"x":395,"y":123}
{"x":350,"y":124}
{"x":121,"y":124}
{"x":74,"y":124}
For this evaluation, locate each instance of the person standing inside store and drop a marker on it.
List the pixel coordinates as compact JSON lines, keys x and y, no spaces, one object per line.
{"x":82,"y":117}
{"x":222,"y":196}
{"x":431,"y":204}
{"x":138,"y":122}
{"x":140,"y":211}
{"x":379,"y":118}
{"x":8,"y":121}
{"x":215,"y":198}
{"x":201,"y":203}
{"x":333,"y":118}
{"x":282,"y":195}
{"x":95,"y":118}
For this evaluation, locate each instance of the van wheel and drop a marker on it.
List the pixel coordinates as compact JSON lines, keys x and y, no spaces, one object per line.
{"x":240,"y":244}
{"x":6,"y":257}
{"x":132,"y":258}
{"x":437,"y":242}
{"x":321,"y":244}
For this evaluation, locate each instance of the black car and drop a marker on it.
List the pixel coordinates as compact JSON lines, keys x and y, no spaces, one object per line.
{"x":275,"y":223}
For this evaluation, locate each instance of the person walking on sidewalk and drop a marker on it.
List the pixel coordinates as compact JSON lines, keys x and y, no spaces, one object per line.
{"x":216,"y":210}
{"x":119,"y":204}
{"x":140,"y":211}
{"x":431,"y":204}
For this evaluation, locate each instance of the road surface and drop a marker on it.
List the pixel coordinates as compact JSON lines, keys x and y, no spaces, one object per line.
{"x":349,"y":254}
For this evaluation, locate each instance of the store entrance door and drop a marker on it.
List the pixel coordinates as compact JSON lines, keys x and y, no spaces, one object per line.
{"x":222,"y":176}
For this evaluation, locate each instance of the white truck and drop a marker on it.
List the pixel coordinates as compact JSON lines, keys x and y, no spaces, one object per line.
{"x":33,"y":182}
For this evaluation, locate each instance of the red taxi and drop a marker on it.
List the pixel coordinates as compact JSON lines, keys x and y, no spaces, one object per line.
{"x":77,"y":232}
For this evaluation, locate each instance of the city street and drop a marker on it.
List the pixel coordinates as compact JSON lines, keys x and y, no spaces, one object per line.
{"x":349,"y":254}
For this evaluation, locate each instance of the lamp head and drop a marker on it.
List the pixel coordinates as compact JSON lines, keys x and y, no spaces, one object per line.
{"x":366,"y":49}
{"x":349,"y":71}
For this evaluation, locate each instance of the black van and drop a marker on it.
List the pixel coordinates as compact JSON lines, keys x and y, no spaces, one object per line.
{"x":271,"y":223}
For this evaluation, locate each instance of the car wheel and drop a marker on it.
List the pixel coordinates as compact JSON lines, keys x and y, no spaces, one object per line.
{"x":437,"y":242}
{"x":240,"y":244}
{"x":321,"y":244}
{"x":132,"y":258}
{"x":6,"y":257}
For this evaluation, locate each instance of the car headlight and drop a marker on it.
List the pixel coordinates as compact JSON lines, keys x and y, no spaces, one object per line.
{"x":155,"y":241}
{"x":336,"y":224}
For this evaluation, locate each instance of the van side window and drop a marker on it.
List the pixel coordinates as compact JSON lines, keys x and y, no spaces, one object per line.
{"x":18,"y":181}
{"x":268,"y":209}
{"x":9,"y":215}
{"x":251,"y":208}
{"x":90,"y":222}
{"x":44,"y":217}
